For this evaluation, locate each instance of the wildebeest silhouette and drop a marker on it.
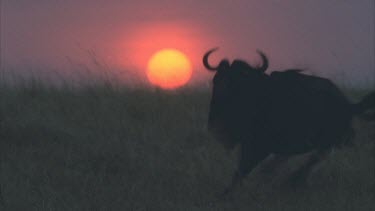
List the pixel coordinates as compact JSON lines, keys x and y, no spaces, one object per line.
{"x":283,"y":113}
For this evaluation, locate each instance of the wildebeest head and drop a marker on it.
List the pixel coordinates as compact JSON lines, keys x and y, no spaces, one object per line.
{"x":230,"y":83}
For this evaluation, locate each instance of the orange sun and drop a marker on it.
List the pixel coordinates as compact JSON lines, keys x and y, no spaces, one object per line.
{"x":169,"y":68}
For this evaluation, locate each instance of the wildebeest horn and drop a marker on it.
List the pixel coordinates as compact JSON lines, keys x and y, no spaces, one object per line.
{"x":205,"y":60}
{"x":264,"y":65}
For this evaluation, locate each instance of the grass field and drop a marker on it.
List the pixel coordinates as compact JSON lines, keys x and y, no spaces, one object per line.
{"x":112,"y":148}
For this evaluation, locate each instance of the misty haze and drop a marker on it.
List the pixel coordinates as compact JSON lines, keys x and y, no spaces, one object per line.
{"x":328,"y":38}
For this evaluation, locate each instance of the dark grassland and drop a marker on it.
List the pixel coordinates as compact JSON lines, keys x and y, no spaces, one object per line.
{"x":110,"y":148}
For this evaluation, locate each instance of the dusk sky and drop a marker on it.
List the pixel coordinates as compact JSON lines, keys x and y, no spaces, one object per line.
{"x":331,"y":38}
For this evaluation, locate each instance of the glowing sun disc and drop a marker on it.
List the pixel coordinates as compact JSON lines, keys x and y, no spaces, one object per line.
{"x":169,"y":68}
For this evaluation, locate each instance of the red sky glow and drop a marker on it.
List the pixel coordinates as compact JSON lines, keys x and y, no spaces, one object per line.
{"x":329,"y":38}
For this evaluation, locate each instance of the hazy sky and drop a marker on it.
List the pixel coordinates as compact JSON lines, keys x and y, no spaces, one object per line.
{"x":333,"y":38}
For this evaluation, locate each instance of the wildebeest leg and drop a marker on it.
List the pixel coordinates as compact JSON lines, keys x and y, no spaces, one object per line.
{"x":250,"y":157}
{"x":300,"y":176}
{"x":271,"y":164}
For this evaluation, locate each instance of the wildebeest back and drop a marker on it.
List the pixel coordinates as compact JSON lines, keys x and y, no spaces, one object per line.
{"x":305,"y":108}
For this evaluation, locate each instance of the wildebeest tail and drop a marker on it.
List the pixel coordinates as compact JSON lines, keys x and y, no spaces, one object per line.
{"x":366,"y":104}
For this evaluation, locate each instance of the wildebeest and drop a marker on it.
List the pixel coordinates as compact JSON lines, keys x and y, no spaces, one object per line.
{"x":283,"y":113}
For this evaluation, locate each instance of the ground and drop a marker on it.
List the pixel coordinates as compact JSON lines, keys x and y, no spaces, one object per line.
{"x":111,"y":148}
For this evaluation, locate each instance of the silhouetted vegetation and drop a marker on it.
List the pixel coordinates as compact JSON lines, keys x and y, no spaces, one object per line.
{"x":106,"y":147}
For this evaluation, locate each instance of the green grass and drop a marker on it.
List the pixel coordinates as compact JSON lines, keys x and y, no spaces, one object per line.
{"x":111,"y":148}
